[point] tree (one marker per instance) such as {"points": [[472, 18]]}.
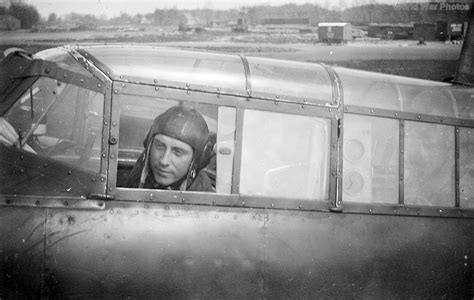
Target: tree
{"points": [[27, 14], [52, 18]]}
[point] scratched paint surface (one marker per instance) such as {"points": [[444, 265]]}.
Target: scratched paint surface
{"points": [[183, 251], [21, 250], [173, 252]]}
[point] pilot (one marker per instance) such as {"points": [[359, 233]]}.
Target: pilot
{"points": [[177, 148]]}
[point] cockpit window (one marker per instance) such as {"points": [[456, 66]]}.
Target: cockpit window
{"points": [[429, 164], [371, 164], [285, 156], [153, 135], [372, 151], [179, 68], [57, 120]]}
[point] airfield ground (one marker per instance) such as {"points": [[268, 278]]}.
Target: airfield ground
{"points": [[434, 61]]}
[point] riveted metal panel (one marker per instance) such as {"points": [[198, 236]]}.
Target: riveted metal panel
{"points": [[217, 97], [106, 128], [409, 210], [356, 256], [18, 89], [24, 173], [11, 67], [52, 70], [211, 199], [170, 250], [84, 58], [111, 139], [401, 163], [407, 116], [50, 202], [88, 64], [160, 92], [290, 108], [335, 164], [238, 151], [157, 251], [108, 125], [21, 252], [457, 169]]}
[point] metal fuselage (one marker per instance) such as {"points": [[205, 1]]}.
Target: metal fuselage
{"points": [[143, 250]]}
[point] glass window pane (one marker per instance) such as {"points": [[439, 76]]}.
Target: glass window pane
{"points": [[376, 90], [369, 89], [60, 121], [61, 57], [137, 113], [290, 78], [285, 155], [466, 163], [371, 155], [180, 66], [429, 164], [436, 100]]}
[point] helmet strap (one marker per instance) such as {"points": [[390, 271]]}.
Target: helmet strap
{"points": [[146, 166]]}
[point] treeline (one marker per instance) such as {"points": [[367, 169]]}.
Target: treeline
{"points": [[314, 13], [373, 13], [252, 15], [160, 17], [26, 14]]}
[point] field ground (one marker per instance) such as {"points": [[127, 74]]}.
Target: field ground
{"points": [[434, 61]]}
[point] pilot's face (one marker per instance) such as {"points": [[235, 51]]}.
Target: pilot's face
{"points": [[169, 159]]}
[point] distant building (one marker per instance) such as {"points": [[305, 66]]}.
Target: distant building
{"points": [[358, 33], [391, 31], [455, 30], [8, 22], [334, 32], [424, 31], [240, 26], [286, 21], [451, 30]]}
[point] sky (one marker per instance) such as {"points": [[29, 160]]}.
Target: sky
{"points": [[112, 8]]}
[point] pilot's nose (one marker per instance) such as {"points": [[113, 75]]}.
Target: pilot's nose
{"points": [[164, 158]]}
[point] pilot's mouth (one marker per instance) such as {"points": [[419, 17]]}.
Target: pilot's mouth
{"points": [[163, 173]]}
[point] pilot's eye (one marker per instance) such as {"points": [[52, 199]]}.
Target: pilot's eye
{"points": [[158, 145], [178, 152]]}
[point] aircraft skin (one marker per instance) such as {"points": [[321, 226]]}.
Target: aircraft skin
{"points": [[68, 232], [184, 251]]}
